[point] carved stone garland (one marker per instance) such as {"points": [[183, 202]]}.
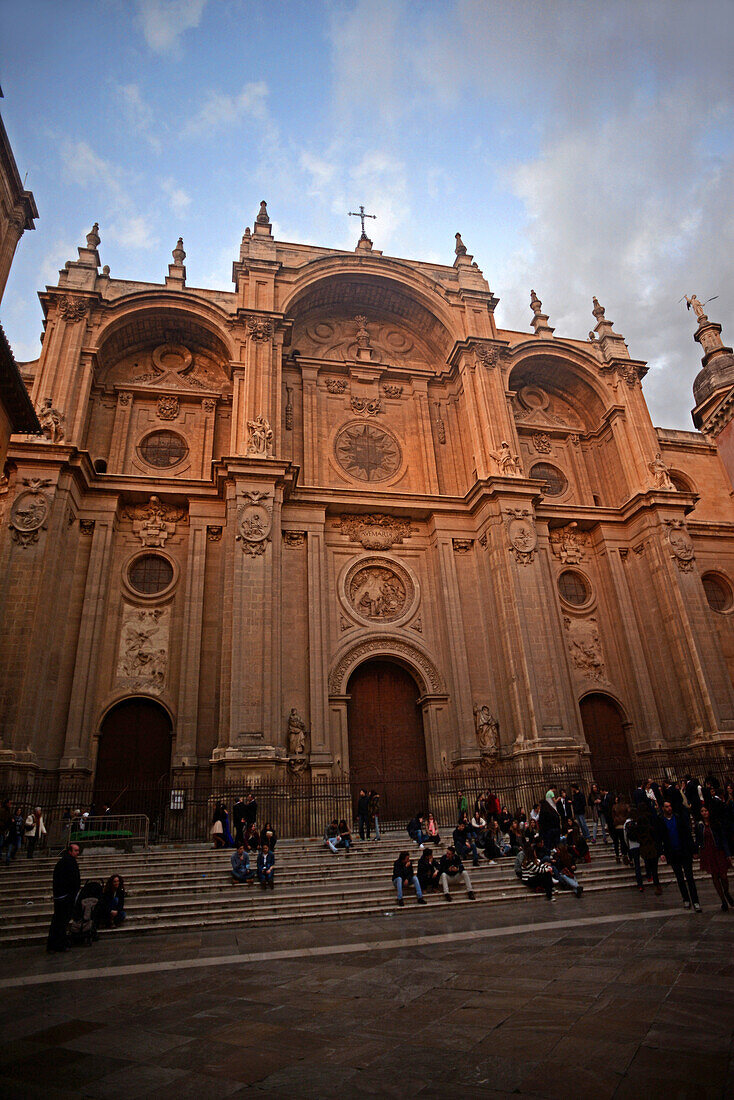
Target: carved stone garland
{"points": [[155, 521], [375, 531]]}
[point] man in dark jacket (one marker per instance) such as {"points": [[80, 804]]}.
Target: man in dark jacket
{"points": [[450, 868], [578, 801], [464, 843], [238, 820], [266, 868], [678, 848], [363, 813], [66, 884]]}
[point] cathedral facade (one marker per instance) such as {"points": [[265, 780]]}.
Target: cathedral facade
{"points": [[335, 521]]}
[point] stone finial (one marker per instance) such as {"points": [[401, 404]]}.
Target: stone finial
{"points": [[540, 319], [262, 218], [246, 235], [460, 246], [535, 303], [178, 253], [106, 270], [93, 237], [598, 311]]}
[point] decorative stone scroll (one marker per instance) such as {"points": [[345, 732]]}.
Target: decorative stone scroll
{"points": [[585, 648], [487, 355], [143, 654], [522, 533], [155, 521], [487, 730], [72, 309], [681, 546], [124, 398], [541, 442], [214, 533], [366, 407], [375, 531], [440, 425], [462, 546], [29, 512], [294, 539], [288, 418], [259, 328], [168, 407], [336, 385], [392, 390], [254, 523], [569, 544], [86, 526]]}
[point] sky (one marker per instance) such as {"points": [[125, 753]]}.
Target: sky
{"points": [[580, 148]]}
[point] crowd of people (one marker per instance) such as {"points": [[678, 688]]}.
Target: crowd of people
{"points": [[675, 821], [80, 910], [248, 840], [19, 830]]}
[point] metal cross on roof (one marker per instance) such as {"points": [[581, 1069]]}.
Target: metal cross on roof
{"points": [[362, 216]]}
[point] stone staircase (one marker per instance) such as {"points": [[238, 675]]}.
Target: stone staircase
{"points": [[176, 889]]}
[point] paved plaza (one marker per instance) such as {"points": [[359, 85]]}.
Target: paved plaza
{"points": [[613, 996]]}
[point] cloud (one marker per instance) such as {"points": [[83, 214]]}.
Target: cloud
{"points": [[81, 165], [132, 231], [164, 21], [220, 110], [178, 200], [638, 228], [140, 115]]}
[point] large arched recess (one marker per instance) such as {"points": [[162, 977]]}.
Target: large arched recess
{"points": [[145, 319], [566, 372], [387, 748], [133, 757], [605, 729]]}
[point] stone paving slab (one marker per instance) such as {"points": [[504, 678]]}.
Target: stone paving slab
{"points": [[480, 1002]]}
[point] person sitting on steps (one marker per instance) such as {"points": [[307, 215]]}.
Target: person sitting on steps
{"points": [[266, 868], [428, 873], [451, 867], [418, 832], [241, 866], [403, 875], [464, 843]]}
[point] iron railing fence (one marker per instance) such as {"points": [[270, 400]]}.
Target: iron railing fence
{"points": [[303, 806]]}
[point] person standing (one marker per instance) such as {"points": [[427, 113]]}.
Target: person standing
{"points": [[66, 883], [649, 837], [250, 814], [462, 805], [713, 857], [374, 811], [363, 813], [35, 830], [578, 801], [549, 821], [238, 820], [678, 848]]}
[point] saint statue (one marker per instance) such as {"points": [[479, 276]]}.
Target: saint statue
{"points": [[697, 307], [508, 463], [260, 442], [297, 733], [487, 729], [660, 473], [51, 422]]}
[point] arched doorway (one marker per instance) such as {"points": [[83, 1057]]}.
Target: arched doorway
{"points": [[604, 730], [133, 758], [387, 747]]}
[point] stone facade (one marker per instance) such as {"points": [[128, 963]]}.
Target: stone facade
{"points": [[244, 495]]}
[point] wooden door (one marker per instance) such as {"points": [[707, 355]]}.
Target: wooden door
{"points": [[605, 735], [133, 758], [387, 748]]}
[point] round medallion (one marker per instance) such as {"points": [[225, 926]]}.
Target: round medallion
{"points": [[173, 357], [379, 592], [29, 511], [367, 452], [254, 522]]}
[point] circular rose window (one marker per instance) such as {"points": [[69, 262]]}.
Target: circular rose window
{"points": [[367, 452], [150, 574], [718, 592], [574, 588], [163, 449], [555, 479]]}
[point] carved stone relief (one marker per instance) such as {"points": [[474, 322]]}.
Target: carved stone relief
{"points": [[487, 355], [542, 442], [143, 654], [155, 521], [509, 464], [392, 390], [366, 407], [86, 526], [375, 531], [336, 385], [51, 421], [214, 533], [462, 546], [569, 544], [168, 407], [533, 404], [72, 309], [487, 730], [681, 546], [660, 474], [378, 593], [585, 648], [390, 647], [29, 512], [259, 438], [293, 539], [124, 398], [297, 734], [367, 452], [254, 522], [259, 328], [522, 533]]}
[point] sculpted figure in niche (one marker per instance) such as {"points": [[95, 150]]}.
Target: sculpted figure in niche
{"points": [[488, 729], [297, 733], [51, 422], [660, 473], [508, 463], [261, 437]]}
